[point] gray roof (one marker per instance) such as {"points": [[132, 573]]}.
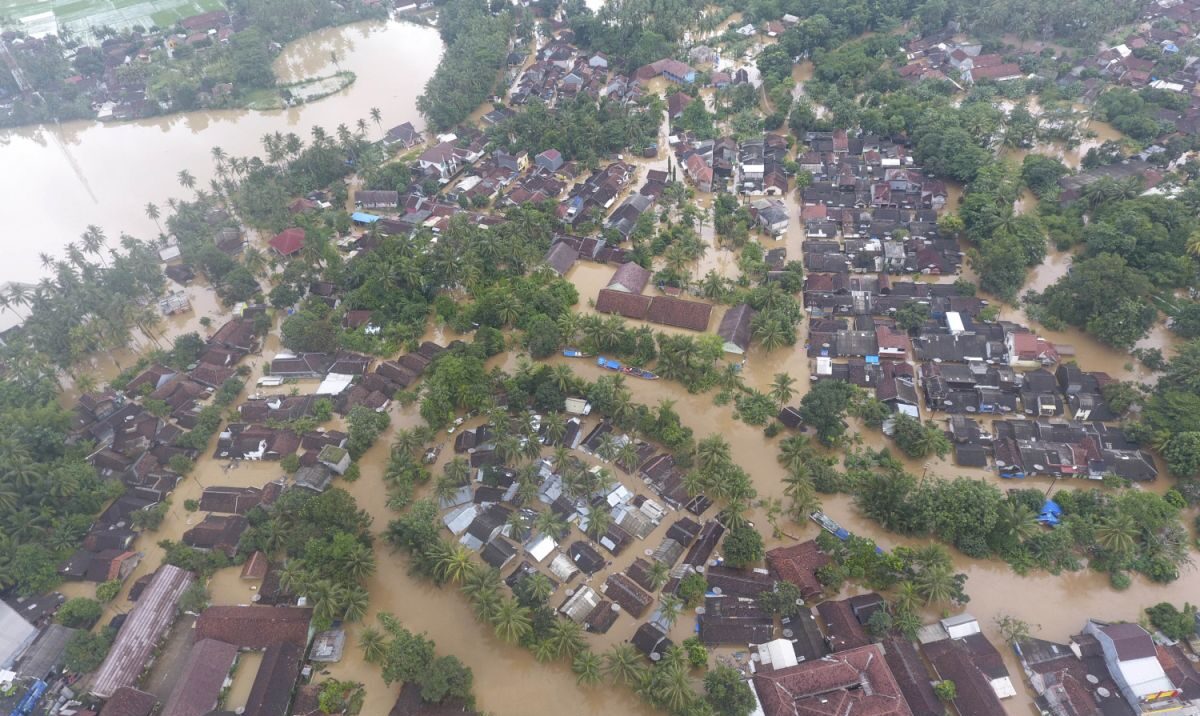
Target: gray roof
{"points": [[562, 257], [735, 325], [15, 633], [46, 653]]}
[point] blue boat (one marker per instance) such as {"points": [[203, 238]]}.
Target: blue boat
{"points": [[575, 353], [627, 369]]}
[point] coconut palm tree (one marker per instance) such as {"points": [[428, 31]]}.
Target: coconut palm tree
{"points": [[1118, 534], [373, 644], [782, 389], [794, 452], [376, 117], [549, 523], [445, 489], [1193, 243], [359, 563], [935, 583], [458, 470], [254, 260], [566, 637], [485, 603], [455, 564], [1018, 521], [627, 457], [669, 607], [544, 651], [555, 425], [607, 449], [658, 574], [512, 621], [186, 180], [599, 520], [712, 452], [908, 597], [587, 666], [353, 603], [623, 664], [539, 587]]}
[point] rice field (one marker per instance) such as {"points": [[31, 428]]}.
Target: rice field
{"points": [[41, 17]]}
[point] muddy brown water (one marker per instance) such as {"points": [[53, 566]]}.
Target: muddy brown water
{"points": [[57, 179], [508, 680]]}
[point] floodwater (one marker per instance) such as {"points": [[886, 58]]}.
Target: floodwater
{"points": [[56, 180]]}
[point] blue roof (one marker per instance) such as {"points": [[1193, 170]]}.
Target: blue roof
{"points": [[1052, 507], [361, 217]]}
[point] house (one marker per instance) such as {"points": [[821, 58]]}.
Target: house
{"points": [[199, 687], [234, 500], [45, 654], [672, 70], [798, 564], [974, 694], [256, 567], [440, 158], [625, 592], [676, 103], [1133, 662], [629, 278], [404, 136], [128, 701], [410, 703], [377, 199], [288, 242], [550, 160], [217, 532], [843, 631], [276, 677], [771, 215], [255, 627], [857, 681], [15, 634], [1029, 351], [671, 311], [561, 257], [624, 304], [149, 619]]}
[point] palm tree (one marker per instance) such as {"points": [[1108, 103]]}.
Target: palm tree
{"points": [[935, 583], [795, 452], [1018, 520], [540, 587], [254, 260], [373, 644], [549, 523], [361, 125], [1193, 243], [658, 574], [607, 449], [377, 117], [669, 607], [566, 637], [587, 665], [1118, 534], [798, 486], [485, 603], [455, 565], [544, 651], [908, 597], [458, 470], [599, 520], [480, 579], [712, 452], [623, 664], [353, 603], [627, 457], [186, 180], [782, 389], [512, 621], [555, 426], [359, 563]]}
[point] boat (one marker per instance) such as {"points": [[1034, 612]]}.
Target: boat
{"points": [[626, 369], [575, 353], [828, 524]]}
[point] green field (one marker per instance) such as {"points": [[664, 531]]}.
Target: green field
{"points": [[40, 17]]}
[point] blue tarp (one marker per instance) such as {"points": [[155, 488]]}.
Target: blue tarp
{"points": [[361, 217], [1050, 514], [606, 363]]}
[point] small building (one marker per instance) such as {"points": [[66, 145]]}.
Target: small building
{"points": [[288, 242], [255, 627], [629, 278], [128, 701], [735, 328], [273, 684], [204, 676], [857, 681], [217, 532]]}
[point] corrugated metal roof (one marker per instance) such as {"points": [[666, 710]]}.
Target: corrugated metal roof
{"points": [[149, 619]]}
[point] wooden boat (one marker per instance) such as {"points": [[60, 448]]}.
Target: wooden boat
{"points": [[626, 369], [575, 353]]}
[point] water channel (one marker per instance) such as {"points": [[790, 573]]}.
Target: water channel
{"points": [[57, 180]]}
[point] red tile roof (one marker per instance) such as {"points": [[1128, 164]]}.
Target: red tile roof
{"points": [[255, 627], [677, 312], [629, 305], [288, 241], [798, 564], [856, 682]]}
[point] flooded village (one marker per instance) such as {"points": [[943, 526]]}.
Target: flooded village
{"points": [[630, 389]]}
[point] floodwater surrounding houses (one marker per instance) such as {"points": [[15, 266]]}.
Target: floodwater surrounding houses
{"points": [[507, 679], [59, 179]]}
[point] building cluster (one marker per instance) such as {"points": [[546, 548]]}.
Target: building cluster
{"points": [[624, 297], [753, 166], [960, 63], [560, 72]]}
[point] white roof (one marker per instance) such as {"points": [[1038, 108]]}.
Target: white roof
{"points": [[578, 406], [778, 653], [334, 384], [15, 634], [540, 547], [1145, 676], [1003, 687], [562, 567], [458, 520]]}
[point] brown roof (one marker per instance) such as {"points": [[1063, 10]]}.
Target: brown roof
{"points": [[975, 695], [256, 567], [735, 325], [841, 628], [409, 703], [677, 312], [629, 277], [798, 564], [856, 682], [275, 680], [622, 590], [255, 627], [912, 676], [199, 687], [128, 701], [629, 305], [219, 532]]}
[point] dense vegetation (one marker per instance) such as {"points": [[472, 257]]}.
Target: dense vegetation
{"points": [[476, 46], [581, 129]]}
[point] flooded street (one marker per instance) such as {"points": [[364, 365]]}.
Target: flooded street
{"points": [[57, 180]]}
